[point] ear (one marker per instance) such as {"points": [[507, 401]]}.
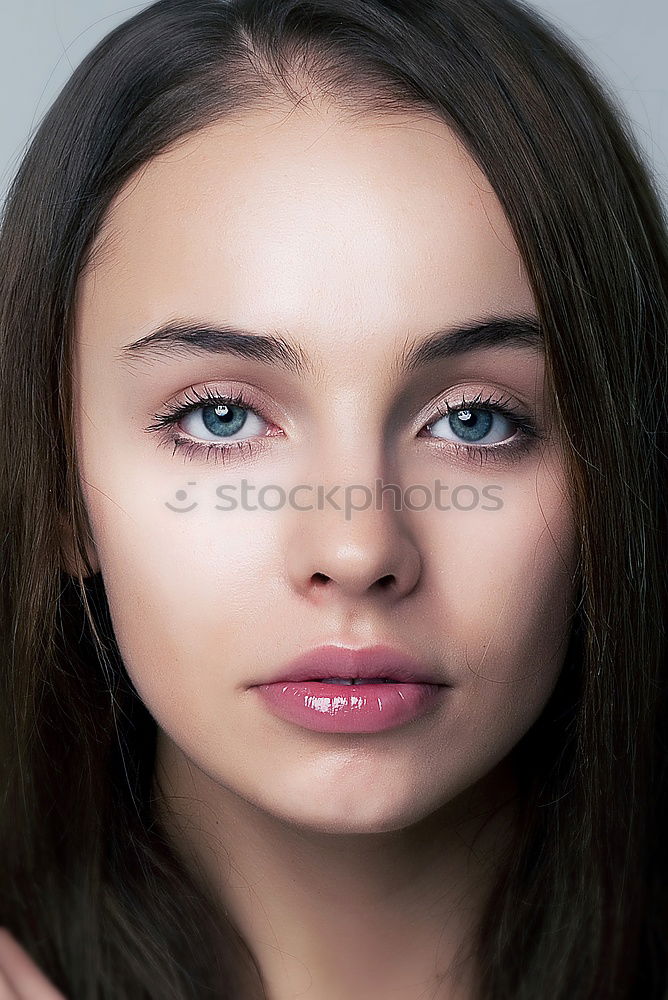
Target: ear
{"points": [[67, 550]]}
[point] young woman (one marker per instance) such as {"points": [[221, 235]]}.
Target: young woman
{"points": [[333, 350]]}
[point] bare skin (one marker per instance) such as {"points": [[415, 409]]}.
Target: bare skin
{"points": [[354, 865]]}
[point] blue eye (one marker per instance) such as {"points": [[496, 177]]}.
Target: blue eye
{"points": [[222, 417], [473, 425], [486, 429], [222, 420], [482, 429]]}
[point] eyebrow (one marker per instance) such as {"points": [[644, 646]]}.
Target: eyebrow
{"points": [[196, 339]]}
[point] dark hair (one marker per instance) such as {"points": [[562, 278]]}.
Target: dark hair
{"points": [[88, 881]]}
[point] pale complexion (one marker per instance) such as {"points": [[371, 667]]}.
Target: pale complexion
{"points": [[347, 862]]}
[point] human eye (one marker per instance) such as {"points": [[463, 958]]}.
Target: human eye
{"points": [[483, 429], [222, 417]]}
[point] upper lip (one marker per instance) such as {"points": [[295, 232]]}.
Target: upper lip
{"points": [[366, 662]]}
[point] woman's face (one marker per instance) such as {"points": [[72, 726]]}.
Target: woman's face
{"points": [[353, 243]]}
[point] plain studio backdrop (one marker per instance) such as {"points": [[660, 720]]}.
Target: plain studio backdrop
{"points": [[41, 42]]}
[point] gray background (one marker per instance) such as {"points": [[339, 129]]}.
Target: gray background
{"points": [[41, 42]]}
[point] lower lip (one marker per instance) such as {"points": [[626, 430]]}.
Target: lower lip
{"points": [[349, 708]]}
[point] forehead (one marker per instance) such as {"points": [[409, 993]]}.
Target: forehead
{"points": [[285, 218]]}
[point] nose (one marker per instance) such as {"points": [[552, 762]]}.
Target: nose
{"points": [[351, 554]]}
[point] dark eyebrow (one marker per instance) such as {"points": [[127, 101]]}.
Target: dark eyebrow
{"points": [[193, 338], [189, 338], [494, 331]]}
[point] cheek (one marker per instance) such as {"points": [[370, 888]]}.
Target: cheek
{"points": [[186, 590], [507, 597]]}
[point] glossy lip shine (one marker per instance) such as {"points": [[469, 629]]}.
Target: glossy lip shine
{"points": [[352, 708]]}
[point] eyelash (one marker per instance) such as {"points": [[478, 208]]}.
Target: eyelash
{"points": [[522, 442]]}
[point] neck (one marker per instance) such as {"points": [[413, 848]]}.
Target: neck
{"points": [[369, 915]]}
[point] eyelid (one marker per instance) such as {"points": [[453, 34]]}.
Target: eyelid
{"points": [[469, 390], [196, 397], [470, 393]]}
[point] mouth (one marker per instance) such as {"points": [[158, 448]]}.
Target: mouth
{"points": [[344, 666], [354, 680], [378, 703]]}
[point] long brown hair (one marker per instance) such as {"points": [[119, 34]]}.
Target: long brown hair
{"points": [[88, 881]]}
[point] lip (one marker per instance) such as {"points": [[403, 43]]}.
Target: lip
{"points": [[297, 694], [362, 663], [364, 708]]}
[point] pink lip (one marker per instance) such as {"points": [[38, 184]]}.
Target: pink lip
{"points": [[363, 708], [297, 693], [369, 662]]}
